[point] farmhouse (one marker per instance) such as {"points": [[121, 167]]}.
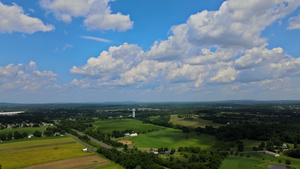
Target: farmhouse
{"points": [[272, 154]]}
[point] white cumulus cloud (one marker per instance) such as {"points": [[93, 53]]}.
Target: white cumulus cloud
{"points": [[13, 19], [238, 23], [112, 62], [294, 22], [25, 77], [222, 47], [97, 13]]}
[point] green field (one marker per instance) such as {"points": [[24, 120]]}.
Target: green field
{"points": [[29, 130], [235, 162], [193, 122], [172, 138], [107, 126], [249, 144], [154, 117], [294, 161], [31, 152], [257, 160]]}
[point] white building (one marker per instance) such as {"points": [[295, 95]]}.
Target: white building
{"points": [[133, 134], [272, 154], [85, 149], [133, 113]]}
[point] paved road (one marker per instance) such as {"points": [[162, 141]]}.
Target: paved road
{"points": [[88, 146], [94, 140]]}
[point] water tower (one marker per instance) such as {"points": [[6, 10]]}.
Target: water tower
{"points": [[133, 113]]}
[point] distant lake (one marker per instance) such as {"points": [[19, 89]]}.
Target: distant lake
{"points": [[279, 167]]}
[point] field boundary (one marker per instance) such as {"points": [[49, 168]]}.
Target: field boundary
{"points": [[37, 146]]}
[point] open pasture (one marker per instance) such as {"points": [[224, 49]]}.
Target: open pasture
{"points": [[193, 122], [85, 162], [270, 160], [257, 161], [235, 162], [107, 126], [32, 152], [29, 130], [172, 138]]}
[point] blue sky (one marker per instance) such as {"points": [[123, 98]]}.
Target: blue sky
{"points": [[149, 50]]}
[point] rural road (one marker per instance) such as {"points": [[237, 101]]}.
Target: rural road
{"points": [[69, 135], [94, 140], [89, 147]]}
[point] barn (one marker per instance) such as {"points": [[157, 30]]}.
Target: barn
{"points": [[272, 154]]}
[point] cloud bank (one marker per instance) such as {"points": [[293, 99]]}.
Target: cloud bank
{"points": [[26, 78], [222, 47]]}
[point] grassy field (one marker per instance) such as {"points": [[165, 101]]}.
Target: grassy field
{"points": [[257, 160], [194, 122], [235, 162], [249, 144], [29, 130], [32, 152], [270, 160], [172, 138], [154, 117], [85, 162], [107, 126]]}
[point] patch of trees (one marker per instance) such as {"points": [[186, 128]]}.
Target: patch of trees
{"points": [[84, 138], [196, 158], [293, 153], [132, 158], [104, 138], [67, 125], [16, 135], [163, 120], [37, 133], [51, 131], [164, 150], [190, 149], [254, 131], [201, 159]]}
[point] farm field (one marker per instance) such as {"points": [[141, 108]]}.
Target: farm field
{"points": [[172, 138], [85, 162], [107, 126], [32, 152], [271, 160], [235, 162], [29, 130], [249, 144], [154, 117], [257, 160], [193, 122]]}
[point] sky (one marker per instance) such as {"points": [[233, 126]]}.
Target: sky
{"points": [[55, 51]]}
